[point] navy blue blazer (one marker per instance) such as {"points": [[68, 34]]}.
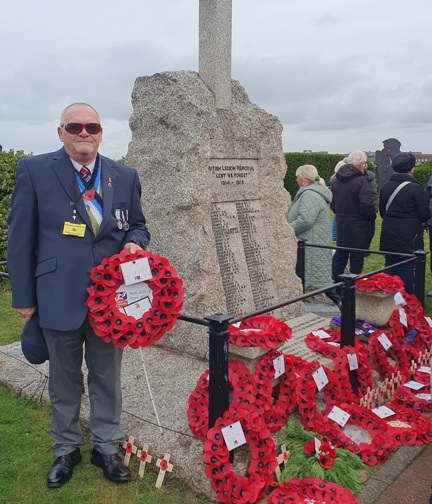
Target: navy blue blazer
{"points": [[48, 269]]}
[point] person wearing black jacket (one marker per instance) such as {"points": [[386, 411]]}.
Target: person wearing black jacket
{"points": [[353, 204], [404, 208]]}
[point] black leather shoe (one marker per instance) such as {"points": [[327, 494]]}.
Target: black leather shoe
{"points": [[61, 470], [111, 465]]}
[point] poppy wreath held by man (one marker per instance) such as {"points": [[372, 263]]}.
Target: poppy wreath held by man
{"points": [[107, 315]]}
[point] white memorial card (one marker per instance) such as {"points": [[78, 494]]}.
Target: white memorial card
{"points": [[279, 366], [403, 317], [383, 411], [352, 361], [385, 342], [429, 321], [136, 271], [339, 416], [414, 385], [134, 300], [426, 397], [233, 435], [317, 445], [424, 369], [321, 334], [398, 299], [320, 378]]}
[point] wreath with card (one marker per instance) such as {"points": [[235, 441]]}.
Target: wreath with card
{"points": [[229, 486], [138, 313]]}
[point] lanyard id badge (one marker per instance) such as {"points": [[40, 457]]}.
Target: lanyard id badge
{"points": [[74, 229]]}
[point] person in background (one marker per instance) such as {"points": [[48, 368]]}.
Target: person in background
{"points": [[309, 216], [353, 204], [69, 210], [339, 164], [428, 191], [404, 208]]}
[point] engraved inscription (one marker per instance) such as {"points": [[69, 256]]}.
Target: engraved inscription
{"points": [[232, 179], [241, 249]]}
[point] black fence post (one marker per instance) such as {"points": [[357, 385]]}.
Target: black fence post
{"points": [[301, 261], [218, 366], [419, 275], [348, 320]]}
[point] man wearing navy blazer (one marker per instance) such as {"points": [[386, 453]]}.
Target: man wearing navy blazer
{"points": [[69, 210]]}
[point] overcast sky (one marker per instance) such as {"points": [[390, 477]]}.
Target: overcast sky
{"points": [[341, 75]]}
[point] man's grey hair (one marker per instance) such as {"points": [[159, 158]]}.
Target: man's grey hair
{"points": [[357, 158], [62, 117]]}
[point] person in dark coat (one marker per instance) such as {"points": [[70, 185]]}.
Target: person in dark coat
{"points": [[353, 204], [404, 208], [428, 192]]}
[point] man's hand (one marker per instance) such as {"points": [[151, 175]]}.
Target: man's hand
{"points": [[132, 247], [26, 313]]}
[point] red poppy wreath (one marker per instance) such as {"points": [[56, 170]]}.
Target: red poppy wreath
{"points": [[230, 487], [136, 319], [298, 491]]}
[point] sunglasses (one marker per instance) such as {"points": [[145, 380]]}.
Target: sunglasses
{"points": [[76, 128]]}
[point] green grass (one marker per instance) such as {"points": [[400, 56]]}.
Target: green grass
{"points": [[10, 322], [25, 459]]}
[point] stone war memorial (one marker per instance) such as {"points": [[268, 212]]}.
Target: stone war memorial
{"points": [[214, 199]]}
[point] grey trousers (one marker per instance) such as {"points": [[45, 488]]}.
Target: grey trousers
{"points": [[66, 350]]}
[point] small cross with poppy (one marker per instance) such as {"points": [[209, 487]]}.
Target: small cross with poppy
{"points": [[129, 449], [281, 459], [164, 466], [144, 457]]}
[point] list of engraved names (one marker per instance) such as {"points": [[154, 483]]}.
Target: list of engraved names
{"points": [[241, 250]]}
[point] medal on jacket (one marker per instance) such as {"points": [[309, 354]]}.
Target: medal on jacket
{"points": [[118, 219], [125, 224]]}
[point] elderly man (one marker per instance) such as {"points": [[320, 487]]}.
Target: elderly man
{"points": [[354, 206], [64, 218]]}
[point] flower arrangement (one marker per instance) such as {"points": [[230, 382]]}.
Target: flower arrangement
{"points": [[228, 486], [111, 324], [329, 464], [311, 490], [380, 282], [262, 331], [244, 392]]}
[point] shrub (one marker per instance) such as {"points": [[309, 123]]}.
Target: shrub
{"points": [[324, 163], [8, 162], [422, 172]]}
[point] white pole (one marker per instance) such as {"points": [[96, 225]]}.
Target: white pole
{"points": [[150, 392]]}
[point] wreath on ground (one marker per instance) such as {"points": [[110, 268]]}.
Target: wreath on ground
{"points": [[373, 453], [243, 389], [380, 282], [329, 464], [262, 331], [229, 486], [301, 491], [115, 326]]}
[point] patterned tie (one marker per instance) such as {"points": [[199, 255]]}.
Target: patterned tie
{"points": [[92, 199], [85, 174]]}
